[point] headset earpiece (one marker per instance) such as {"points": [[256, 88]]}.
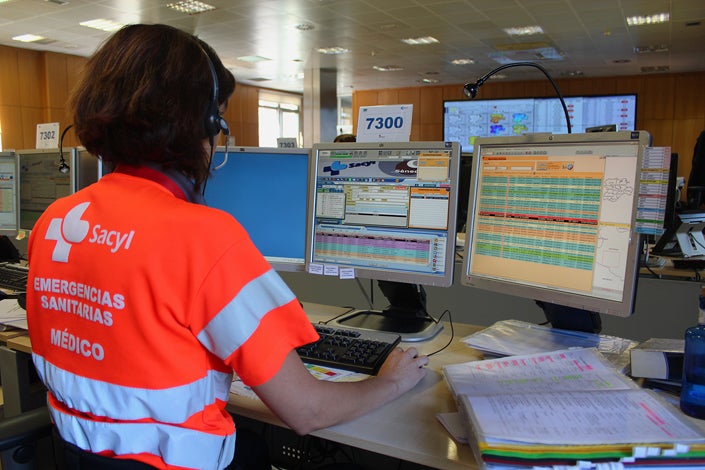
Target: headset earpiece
{"points": [[214, 122]]}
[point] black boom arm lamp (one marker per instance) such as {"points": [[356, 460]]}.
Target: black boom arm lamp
{"points": [[63, 166], [470, 89]]}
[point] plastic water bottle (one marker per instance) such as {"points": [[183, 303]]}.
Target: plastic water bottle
{"points": [[693, 392]]}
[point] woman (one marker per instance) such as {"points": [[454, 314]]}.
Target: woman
{"points": [[142, 301]]}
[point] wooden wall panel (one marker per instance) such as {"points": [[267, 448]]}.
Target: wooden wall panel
{"points": [[9, 77], [35, 88], [11, 127], [657, 93], [242, 115], [661, 131], [57, 85], [389, 96], [685, 133], [363, 98], [670, 106], [32, 78], [689, 91], [30, 117]]}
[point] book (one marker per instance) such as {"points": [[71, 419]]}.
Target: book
{"points": [[564, 407], [658, 358]]}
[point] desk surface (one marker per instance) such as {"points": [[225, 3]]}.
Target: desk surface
{"points": [[406, 428]]}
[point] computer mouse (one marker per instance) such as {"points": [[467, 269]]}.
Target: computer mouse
{"points": [[22, 300]]}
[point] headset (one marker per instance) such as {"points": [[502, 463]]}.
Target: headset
{"points": [[214, 122]]}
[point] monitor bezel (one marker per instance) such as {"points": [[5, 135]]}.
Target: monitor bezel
{"points": [[623, 308], [12, 156], [380, 274], [89, 168], [277, 264], [69, 154]]}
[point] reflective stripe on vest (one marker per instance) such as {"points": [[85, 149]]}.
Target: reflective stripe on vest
{"points": [[168, 405], [236, 322], [175, 445]]}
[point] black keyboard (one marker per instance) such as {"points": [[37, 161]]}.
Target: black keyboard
{"points": [[13, 276], [354, 350]]}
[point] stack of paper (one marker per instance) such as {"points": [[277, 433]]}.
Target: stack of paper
{"points": [[12, 315], [514, 337], [565, 407]]}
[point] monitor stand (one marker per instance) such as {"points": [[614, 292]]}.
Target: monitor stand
{"points": [[570, 318], [686, 239], [406, 315]]}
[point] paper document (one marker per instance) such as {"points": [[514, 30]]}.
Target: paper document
{"points": [[567, 370], [11, 314], [561, 407], [581, 418], [512, 337]]}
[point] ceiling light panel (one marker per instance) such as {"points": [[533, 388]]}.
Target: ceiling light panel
{"points": [[102, 24], [524, 30], [420, 41], [650, 19], [190, 7]]}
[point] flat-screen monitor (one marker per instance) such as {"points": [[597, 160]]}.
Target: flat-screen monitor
{"points": [[466, 120], [386, 211], [89, 168], [552, 218], [41, 181], [266, 190], [9, 190]]}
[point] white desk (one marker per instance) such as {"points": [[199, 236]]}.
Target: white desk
{"points": [[406, 428]]}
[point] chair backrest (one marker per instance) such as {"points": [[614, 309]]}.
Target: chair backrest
{"points": [[19, 436]]}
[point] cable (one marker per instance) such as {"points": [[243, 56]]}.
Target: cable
{"points": [[367, 297], [452, 332], [470, 89]]}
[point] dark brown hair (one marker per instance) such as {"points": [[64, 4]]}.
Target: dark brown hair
{"points": [[143, 97], [345, 138]]}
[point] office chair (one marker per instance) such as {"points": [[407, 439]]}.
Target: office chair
{"points": [[18, 438], [696, 182]]}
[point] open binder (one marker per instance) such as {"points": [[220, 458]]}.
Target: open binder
{"points": [[564, 407]]}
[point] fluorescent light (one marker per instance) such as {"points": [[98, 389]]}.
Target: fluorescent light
{"points": [[28, 38], [103, 25], [333, 50], [651, 19], [190, 7], [252, 58], [420, 41], [462, 61], [651, 49], [388, 68], [524, 30]]}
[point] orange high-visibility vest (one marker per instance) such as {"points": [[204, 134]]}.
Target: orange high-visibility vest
{"points": [[140, 306]]}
